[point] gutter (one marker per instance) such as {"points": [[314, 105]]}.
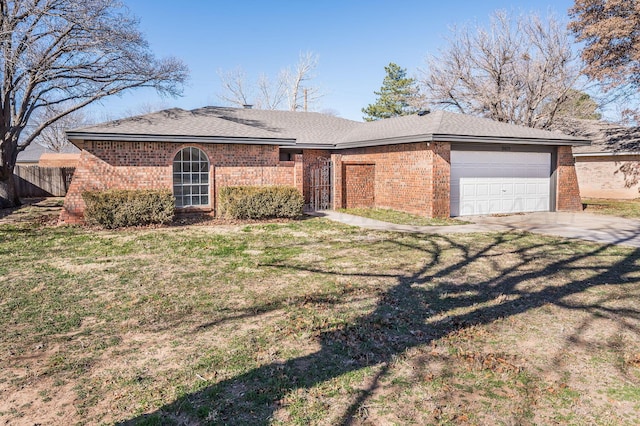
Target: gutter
{"points": [[117, 137], [287, 142], [605, 154], [435, 137]]}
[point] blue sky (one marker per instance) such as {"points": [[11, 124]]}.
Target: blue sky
{"points": [[354, 40]]}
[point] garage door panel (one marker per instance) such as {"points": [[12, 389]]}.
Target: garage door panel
{"points": [[482, 189], [507, 189], [532, 188], [487, 182], [495, 189], [469, 189], [495, 205]]}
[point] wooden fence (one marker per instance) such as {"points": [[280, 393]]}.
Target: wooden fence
{"points": [[36, 181]]}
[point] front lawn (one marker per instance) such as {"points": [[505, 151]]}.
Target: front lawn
{"points": [[312, 322], [401, 218], [622, 208]]}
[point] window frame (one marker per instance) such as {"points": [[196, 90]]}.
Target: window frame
{"points": [[191, 178]]}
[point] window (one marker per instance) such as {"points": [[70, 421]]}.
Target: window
{"points": [[191, 178]]}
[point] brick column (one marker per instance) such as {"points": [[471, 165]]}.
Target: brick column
{"points": [[568, 191], [298, 173], [441, 179], [336, 160]]}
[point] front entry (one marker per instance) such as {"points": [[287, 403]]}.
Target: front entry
{"points": [[320, 184]]}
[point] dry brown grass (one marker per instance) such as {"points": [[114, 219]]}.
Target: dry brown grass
{"points": [[311, 322]]}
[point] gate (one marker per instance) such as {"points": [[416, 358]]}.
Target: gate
{"points": [[320, 184]]}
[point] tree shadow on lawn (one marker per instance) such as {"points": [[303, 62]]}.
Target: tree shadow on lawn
{"points": [[409, 314]]}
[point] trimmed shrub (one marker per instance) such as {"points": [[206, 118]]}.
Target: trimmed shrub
{"points": [[116, 208], [259, 202]]}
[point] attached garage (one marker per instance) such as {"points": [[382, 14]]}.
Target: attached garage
{"points": [[490, 182]]}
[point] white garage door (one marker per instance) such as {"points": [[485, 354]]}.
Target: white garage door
{"points": [[487, 182]]}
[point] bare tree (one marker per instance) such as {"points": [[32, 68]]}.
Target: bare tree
{"points": [[53, 137], [610, 30], [610, 33], [289, 90], [271, 94], [236, 91], [63, 55], [518, 71], [300, 94]]}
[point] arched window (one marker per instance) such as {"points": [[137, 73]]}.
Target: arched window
{"points": [[191, 178]]}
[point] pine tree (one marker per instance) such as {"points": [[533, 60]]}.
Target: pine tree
{"points": [[398, 95]]}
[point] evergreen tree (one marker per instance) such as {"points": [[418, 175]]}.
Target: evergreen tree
{"points": [[399, 95]]}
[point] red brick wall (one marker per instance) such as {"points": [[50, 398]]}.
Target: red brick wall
{"points": [[148, 165], [358, 183], [408, 177], [441, 179], [568, 191]]}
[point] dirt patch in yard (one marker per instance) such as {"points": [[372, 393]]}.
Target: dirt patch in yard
{"points": [[33, 210]]}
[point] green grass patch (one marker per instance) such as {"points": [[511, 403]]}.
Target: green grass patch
{"points": [[622, 208], [401, 218], [628, 393]]}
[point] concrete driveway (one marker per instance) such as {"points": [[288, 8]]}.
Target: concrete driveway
{"points": [[585, 226]]}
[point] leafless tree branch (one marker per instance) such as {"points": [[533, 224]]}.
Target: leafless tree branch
{"points": [[518, 71], [61, 55]]}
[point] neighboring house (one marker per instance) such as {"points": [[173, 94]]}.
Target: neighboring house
{"points": [[437, 165], [40, 172], [610, 166], [30, 155], [38, 155]]}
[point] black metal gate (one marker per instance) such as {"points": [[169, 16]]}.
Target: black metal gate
{"points": [[320, 184]]}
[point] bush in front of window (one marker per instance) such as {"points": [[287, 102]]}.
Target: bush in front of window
{"points": [[116, 208], [259, 202]]}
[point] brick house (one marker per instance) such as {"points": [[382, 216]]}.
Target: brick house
{"points": [[610, 166], [436, 164]]}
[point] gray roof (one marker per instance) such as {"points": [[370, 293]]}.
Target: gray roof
{"points": [[447, 126], [220, 124], [309, 129], [606, 137], [32, 153]]}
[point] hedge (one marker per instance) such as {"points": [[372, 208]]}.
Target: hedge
{"points": [[259, 202], [115, 208]]}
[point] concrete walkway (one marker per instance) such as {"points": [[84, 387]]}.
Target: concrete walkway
{"points": [[585, 226]]}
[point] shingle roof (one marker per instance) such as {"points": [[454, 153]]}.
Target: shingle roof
{"points": [[444, 126], [314, 129], [606, 137], [305, 127]]}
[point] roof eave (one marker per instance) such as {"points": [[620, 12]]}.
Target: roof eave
{"points": [[605, 154], [508, 140], [385, 141], [438, 137], [118, 137], [315, 145]]}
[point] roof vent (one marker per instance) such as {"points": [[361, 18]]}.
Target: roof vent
{"points": [[247, 106], [424, 112]]}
